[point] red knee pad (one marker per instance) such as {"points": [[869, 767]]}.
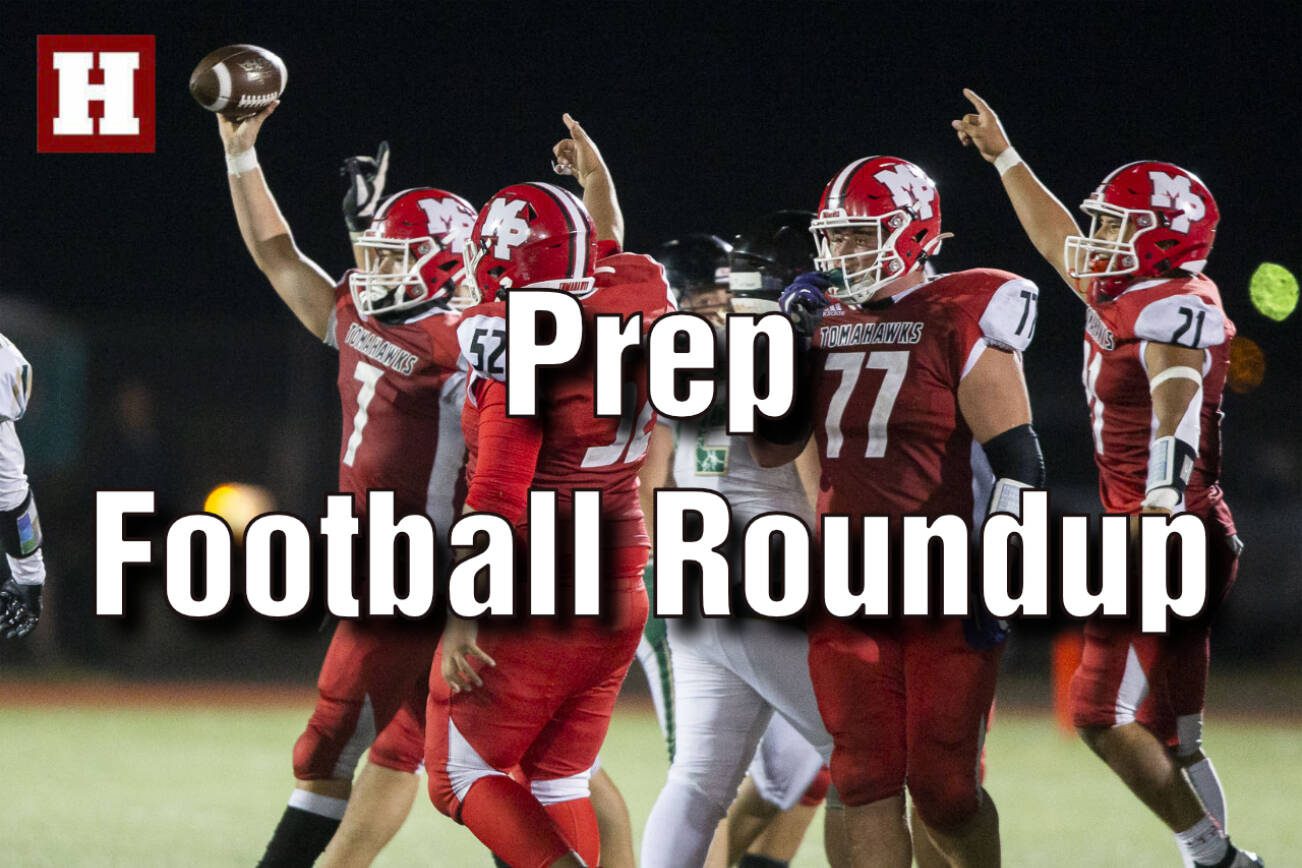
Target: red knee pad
{"points": [[401, 745], [332, 744], [817, 791], [441, 795], [945, 798], [857, 786]]}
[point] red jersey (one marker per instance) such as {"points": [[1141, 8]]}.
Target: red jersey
{"points": [[1184, 311], [890, 435], [579, 450], [400, 390]]}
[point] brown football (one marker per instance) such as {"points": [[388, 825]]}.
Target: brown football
{"points": [[238, 80]]}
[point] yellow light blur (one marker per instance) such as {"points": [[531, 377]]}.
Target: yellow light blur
{"points": [[1274, 291], [238, 503]]}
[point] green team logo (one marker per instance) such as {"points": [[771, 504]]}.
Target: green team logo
{"points": [[711, 459]]}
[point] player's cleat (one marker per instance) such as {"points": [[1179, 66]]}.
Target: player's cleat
{"points": [[1236, 858]]}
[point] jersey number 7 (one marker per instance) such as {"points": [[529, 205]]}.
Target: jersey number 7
{"points": [[895, 363]]}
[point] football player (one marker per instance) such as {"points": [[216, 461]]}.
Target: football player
{"points": [[913, 389], [536, 694], [1156, 356], [400, 390], [729, 676], [20, 527]]}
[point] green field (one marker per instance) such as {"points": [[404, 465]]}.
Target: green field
{"points": [[200, 786]]}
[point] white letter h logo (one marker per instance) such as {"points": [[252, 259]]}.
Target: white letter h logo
{"points": [[117, 93]]}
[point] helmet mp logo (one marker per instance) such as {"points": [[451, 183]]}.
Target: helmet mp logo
{"points": [[449, 222], [908, 190], [1174, 191], [506, 225]]}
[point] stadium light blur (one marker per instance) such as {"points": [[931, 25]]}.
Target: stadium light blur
{"points": [[238, 503], [1274, 291]]}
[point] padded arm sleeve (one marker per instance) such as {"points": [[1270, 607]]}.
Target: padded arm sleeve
{"points": [[507, 456]]}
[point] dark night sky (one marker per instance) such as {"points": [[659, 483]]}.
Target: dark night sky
{"points": [[709, 114]]}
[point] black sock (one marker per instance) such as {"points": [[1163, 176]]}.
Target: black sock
{"points": [[754, 860], [300, 837]]}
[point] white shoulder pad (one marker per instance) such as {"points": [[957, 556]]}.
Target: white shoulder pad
{"points": [[15, 382], [1009, 317], [483, 345], [1183, 320]]}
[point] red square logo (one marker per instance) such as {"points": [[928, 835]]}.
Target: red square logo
{"points": [[95, 94]]}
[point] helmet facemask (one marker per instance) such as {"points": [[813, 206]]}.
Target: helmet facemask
{"points": [[855, 281], [377, 292], [1092, 256]]}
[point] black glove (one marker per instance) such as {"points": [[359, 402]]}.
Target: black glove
{"points": [[20, 609], [366, 179]]}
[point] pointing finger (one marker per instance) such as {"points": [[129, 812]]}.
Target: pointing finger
{"points": [[574, 127], [981, 105]]}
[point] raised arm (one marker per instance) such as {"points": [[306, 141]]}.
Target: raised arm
{"points": [[1046, 221], [299, 281], [578, 156]]}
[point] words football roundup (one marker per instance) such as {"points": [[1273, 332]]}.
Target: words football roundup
{"points": [[496, 557], [678, 344]]}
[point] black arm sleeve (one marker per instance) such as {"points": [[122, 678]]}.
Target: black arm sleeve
{"points": [[1015, 454]]}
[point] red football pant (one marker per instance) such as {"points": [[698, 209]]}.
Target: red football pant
{"points": [[1157, 680], [372, 693], [545, 708], [906, 703]]}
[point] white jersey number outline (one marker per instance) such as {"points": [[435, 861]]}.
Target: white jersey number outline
{"points": [[896, 364]]}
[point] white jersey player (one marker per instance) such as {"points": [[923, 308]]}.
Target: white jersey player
{"points": [[20, 527], [729, 676]]}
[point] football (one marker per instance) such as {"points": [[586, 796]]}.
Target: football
{"points": [[238, 80]]}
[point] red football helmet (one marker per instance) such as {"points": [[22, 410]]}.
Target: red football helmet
{"points": [[429, 228], [1167, 220], [531, 235], [895, 198]]}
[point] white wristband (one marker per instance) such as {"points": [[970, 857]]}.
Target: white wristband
{"points": [[1162, 498], [1007, 160], [29, 570], [242, 163]]}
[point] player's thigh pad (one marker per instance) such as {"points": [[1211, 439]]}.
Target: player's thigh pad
{"points": [[784, 766], [720, 718], [1120, 679], [951, 688], [567, 747], [401, 744], [774, 659], [858, 678]]}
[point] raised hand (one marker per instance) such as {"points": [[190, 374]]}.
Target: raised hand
{"points": [[577, 155], [240, 137], [981, 128], [366, 180]]}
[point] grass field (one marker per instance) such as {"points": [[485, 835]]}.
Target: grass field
{"points": [[197, 785]]}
